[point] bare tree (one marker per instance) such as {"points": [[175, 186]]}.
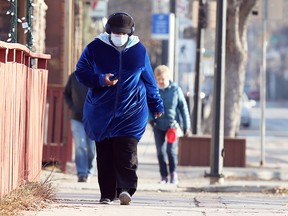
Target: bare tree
{"points": [[39, 26], [238, 12]]}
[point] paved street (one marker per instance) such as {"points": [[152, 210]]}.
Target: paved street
{"points": [[276, 140], [252, 190], [175, 204]]}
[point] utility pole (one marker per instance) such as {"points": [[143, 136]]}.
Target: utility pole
{"points": [[68, 32], [172, 40], [263, 81], [168, 46], [173, 6], [202, 24], [217, 140]]}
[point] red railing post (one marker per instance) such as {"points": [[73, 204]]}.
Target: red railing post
{"points": [[58, 139], [22, 105]]}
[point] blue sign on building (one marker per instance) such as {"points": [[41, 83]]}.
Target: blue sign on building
{"points": [[160, 26]]}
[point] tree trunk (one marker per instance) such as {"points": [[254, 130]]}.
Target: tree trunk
{"points": [[236, 59]]}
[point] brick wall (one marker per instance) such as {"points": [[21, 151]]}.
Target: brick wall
{"points": [[55, 40]]}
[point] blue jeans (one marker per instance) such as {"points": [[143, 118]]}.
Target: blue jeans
{"points": [[85, 150], [165, 151]]}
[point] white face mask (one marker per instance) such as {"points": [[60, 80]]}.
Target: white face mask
{"points": [[119, 40]]}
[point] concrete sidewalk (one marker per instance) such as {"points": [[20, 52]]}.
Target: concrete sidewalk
{"points": [[245, 191]]}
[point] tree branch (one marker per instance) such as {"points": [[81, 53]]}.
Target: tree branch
{"points": [[244, 12]]}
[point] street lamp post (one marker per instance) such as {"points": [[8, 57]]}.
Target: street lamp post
{"points": [[202, 24], [217, 140]]}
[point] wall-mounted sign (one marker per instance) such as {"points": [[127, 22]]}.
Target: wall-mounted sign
{"points": [[160, 26]]}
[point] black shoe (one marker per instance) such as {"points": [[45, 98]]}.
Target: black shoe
{"points": [[105, 201], [82, 178]]}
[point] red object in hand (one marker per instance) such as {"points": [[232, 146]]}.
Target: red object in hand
{"points": [[171, 135]]}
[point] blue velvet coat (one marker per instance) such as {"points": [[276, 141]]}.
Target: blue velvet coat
{"points": [[120, 110]]}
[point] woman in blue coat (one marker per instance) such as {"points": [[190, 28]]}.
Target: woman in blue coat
{"points": [[175, 109], [122, 90]]}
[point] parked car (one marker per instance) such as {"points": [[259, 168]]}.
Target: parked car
{"points": [[254, 95], [247, 105], [246, 110]]}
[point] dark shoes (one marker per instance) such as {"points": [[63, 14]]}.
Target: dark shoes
{"points": [[125, 198], [82, 178], [105, 201]]}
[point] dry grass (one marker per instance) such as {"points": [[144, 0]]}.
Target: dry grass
{"points": [[278, 190], [31, 196]]}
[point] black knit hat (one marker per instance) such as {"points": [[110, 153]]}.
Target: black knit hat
{"points": [[120, 23]]}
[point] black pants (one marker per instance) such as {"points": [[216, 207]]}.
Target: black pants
{"points": [[117, 162]]}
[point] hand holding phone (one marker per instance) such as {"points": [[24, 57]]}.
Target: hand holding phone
{"points": [[113, 77]]}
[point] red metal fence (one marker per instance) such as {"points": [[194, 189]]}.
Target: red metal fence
{"points": [[23, 84], [57, 133]]}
